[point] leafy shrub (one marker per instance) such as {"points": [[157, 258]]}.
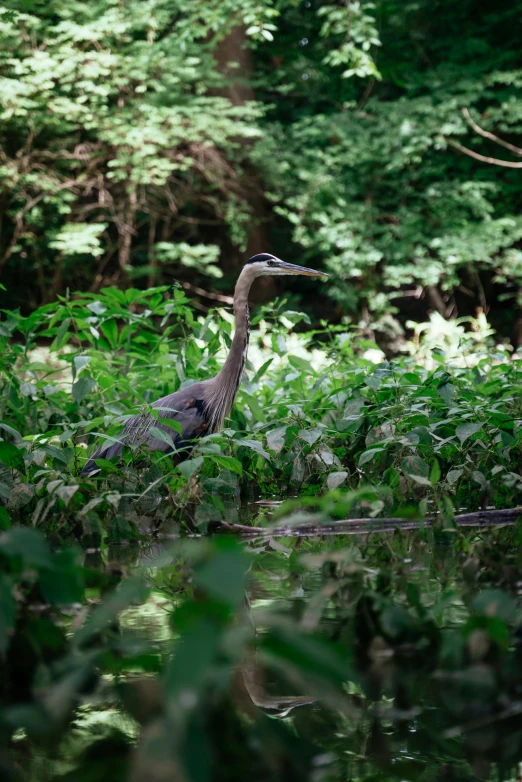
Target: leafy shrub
{"points": [[304, 422]]}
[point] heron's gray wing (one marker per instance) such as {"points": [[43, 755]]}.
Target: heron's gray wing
{"points": [[186, 406]]}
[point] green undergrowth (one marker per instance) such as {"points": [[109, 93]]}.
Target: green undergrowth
{"points": [[314, 418], [383, 656], [374, 657]]}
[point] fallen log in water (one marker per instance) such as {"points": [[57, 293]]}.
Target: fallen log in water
{"points": [[479, 518]]}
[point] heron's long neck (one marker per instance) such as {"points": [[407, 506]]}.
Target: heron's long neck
{"points": [[226, 383]]}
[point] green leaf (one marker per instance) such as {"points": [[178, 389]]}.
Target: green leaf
{"points": [[464, 431], [172, 423], [420, 479], [275, 439], [310, 436], [314, 656], [162, 436], [227, 463], [373, 382], [79, 362], [414, 465], [105, 464], [453, 475], [435, 472], [261, 371], [62, 583], [335, 479], [9, 429], [254, 446], [5, 521], [28, 544], [223, 576], [62, 334], [12, 456], [193, 659], [82, 388], [495, 602], [190, 466], [20, 495], [109, 330], [367, 456], [66, 493], [447, 392], [354, 409], [301, 363]]}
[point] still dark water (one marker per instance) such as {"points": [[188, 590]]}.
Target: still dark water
{"points": [[429, 621]]}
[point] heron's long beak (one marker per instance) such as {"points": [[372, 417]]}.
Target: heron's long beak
{"points": [[291, 268]]}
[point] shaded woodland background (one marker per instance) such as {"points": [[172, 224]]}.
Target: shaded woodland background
{"points": [[143, 143]]}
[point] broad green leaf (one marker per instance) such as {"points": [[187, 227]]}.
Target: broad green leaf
{"points": [[335, 479], [261, 371], [414, 465], [373, 382], [420, 479], [227, 463], [435, 472], [109, 330], [254, 445], [20, 495], [301, 363], [79, 362], [190, 466], [66, 493], [12, 456], [82, 388], [28, 544], [275, 439], [310, 436], [10, 430], [194, 659], [495, 602], [105, 464], [447, 392], [172, 423], [62, 334], [223, 576], [354, 408], [454, 475], [464, 431], [162, 436], [62, 582], [367, 456]]}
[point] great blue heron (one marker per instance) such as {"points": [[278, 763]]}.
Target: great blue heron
{"points": [[201, 408]]}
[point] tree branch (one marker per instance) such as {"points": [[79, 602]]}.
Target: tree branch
{"points": [[491, 160], [491, 136]]}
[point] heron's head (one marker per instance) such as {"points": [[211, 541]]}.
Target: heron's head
{"points": [[265, 264]]}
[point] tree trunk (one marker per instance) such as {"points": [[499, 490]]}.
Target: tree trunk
{"points": [[126, 234], [234, 49]]}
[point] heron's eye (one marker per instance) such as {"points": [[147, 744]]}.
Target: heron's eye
{"points": [[271, 263]]}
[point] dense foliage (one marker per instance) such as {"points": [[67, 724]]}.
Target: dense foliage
{"points": [[398, 652], [134, 149], [393, 657], [146, 142], [304, 422]]}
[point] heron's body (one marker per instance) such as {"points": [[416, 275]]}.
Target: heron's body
{"points": [[201, 408]]}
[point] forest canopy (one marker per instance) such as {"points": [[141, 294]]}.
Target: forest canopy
{"points": [[143, 143]]}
